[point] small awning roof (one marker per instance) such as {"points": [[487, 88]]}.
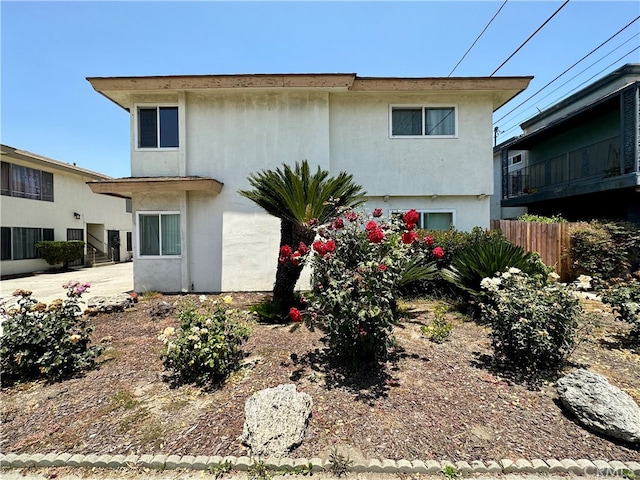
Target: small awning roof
{"points": [[125, 187]]}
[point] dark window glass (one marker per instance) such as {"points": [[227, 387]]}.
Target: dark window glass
{"points": [[5, 241], [129, 242], [47, 234], [149, 231], [147, 128], [168, 127], [6, 176], [406, 121], [47, 186], [24, 242]]}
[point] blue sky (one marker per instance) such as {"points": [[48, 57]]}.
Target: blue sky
{"points": [[49, 48]]}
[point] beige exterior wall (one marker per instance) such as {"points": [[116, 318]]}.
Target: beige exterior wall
{"points": [[71, 195]]}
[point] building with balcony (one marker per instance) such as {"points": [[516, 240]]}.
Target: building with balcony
{"points": [[579, 158]]}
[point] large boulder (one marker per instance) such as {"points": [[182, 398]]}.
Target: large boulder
{"points": [[114, 303], [600, 406], [275, 420]]}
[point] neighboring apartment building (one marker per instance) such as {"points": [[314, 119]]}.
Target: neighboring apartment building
{"points": [[581, 156], [44, 199], [422, 143]]}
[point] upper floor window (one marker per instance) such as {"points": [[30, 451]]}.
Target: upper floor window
{"points": [[25, 182], [157, 127], [422, 121]]}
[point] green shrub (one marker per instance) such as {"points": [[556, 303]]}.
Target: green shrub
{"points": [[529, 217], [45, 341], [358, 267], [603, 250], [484, 259], [533, 323], [55, 252], [440, 328], [624, 298], [205, 350]]}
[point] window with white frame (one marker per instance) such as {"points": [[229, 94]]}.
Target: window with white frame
{"points": [[157, 127], [433, 219], [423, 121], [159, 234]]}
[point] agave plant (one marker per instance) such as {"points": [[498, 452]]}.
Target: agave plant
{"points": [[475, 262]]}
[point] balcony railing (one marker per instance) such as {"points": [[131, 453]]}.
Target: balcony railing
{"points": [[584, 165]]}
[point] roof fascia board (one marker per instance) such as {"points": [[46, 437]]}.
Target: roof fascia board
{"points": [[25, 156]]}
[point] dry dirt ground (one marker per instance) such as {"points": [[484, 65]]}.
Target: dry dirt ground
{"points": [[433, 401]]}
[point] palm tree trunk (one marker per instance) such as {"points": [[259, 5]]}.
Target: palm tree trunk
{"points": [[287, 274]]}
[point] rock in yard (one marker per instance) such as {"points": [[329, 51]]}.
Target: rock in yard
{"points": [[600, 406], [115, 303], [275, 420]]}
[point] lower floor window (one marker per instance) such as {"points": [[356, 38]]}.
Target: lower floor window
{"points": [[433, 220], [159, 234], [19, 243]]}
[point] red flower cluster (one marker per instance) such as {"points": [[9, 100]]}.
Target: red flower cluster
{"points": [[429, 240], [411, 219], [382, 267], [409, 237], [324, 248], [338, 223], [374, 232], [351, 216], [377, 212], [295, 315], [286, 255], [438, 252]]}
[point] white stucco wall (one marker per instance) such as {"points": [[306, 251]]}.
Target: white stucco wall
{"points": [[71, 194], [230, 244]]}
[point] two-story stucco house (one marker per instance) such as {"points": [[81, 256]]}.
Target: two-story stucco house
{"points": [[422, 143], [45, 199]]}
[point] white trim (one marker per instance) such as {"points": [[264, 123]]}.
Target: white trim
{"points": [[136, 130], [138, 236], [424, 106]]}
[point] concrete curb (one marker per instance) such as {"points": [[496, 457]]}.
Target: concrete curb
{"points": [[289, 465]]}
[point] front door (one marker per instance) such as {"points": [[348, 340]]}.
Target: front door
{"points": [[114, 244]]}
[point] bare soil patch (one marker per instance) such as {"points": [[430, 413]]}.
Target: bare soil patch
{"points": [[433, 401]]}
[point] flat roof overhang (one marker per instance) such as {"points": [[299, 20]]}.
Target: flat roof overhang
{"points": [[125, 187], [119, 89]]}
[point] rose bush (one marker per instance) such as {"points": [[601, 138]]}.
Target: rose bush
{"points": [[358, 264], [46, 341]]}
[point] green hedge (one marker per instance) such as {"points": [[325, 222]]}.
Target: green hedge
{"points": [[58, 251]]}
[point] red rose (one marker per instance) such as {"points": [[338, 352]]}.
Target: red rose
{"points": [[377, 212], [429, 240], [338, 223], [371, 226], [330, 246], [303, 249], [319, 247], [409, 237], [411, 218], [438, 252], [295, 258], [382, 267], [295, 315], [285, 251], [351, 216], [376, 235]]}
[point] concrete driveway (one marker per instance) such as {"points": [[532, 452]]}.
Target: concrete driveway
{"points": [[105, 280]]}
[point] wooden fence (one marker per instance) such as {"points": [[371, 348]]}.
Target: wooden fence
{"points": [[550, 240]]}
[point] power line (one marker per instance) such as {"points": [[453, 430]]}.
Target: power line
{"points": [[530, 37], [572, 66], [478, 38], [575, 88]]}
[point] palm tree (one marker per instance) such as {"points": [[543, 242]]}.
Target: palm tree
{"points": [[298, 199]]}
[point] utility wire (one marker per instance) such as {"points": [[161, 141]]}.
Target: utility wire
{"points": [[478, 38], [530, 37], [575, 88], [572, 66]]}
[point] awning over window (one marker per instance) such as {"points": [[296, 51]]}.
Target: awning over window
{"points": [[125, 187]]}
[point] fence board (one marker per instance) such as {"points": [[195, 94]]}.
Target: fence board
{"points": [[549, 240]]}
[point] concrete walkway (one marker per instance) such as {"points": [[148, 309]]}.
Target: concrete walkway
{"points": [[105, 281]]}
